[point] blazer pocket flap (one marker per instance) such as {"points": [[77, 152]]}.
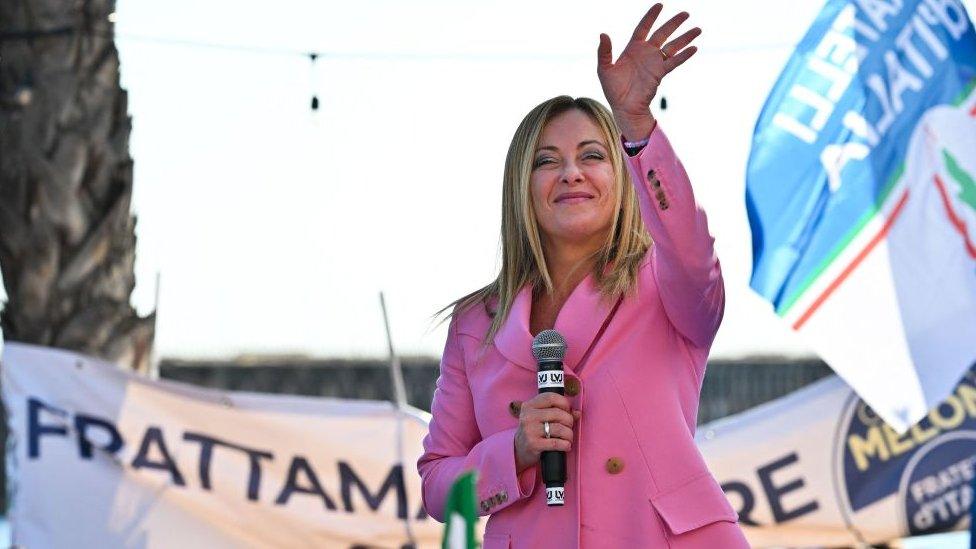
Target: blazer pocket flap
{"points": [[692, 505]]}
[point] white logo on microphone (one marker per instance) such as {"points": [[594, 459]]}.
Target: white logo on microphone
{"points": [[549, 379], [554, 495]]}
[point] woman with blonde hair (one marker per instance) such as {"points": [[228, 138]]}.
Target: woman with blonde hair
{"points": [[602, 240]]}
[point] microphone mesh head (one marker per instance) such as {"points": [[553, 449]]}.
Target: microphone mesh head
{"points": [[549, 345]]}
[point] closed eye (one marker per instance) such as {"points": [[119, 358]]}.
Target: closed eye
{"points": [[542, 160]]}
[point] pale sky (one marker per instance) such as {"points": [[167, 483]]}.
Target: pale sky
{"points": [[274, 228]]}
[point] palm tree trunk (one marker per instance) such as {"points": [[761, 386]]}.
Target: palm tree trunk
{"points": [[67, 237]]}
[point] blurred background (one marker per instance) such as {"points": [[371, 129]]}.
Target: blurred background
{"points": [[273, 226]]}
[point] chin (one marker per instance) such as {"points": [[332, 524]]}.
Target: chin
{"points": [[580, 232]]}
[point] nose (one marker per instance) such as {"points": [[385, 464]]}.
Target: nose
{"points": [[571, 173]]}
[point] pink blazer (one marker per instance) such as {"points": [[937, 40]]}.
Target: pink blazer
{"points": [[636, 478]]}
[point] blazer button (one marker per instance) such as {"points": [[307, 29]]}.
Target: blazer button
{"points": [[572, 386], [615, 465], [515, 408]]}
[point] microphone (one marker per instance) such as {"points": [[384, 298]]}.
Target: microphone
{"points": [[549, 348]]}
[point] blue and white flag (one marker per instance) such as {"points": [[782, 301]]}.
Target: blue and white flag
{"points": [[861, 192]]}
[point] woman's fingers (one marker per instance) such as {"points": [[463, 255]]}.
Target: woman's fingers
{"points": [[533, 414], [560, 438], [667, 29], [531, 439], [646, 22], [552, 415], [674, 61], [676, 45], [556, 444], [549, 400], [556, 430], [604, 53]]}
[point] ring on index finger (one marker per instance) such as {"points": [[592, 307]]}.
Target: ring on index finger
{"points": [[545, 427]]}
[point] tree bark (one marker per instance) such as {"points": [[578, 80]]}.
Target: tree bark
{"points": [[67, 237]]}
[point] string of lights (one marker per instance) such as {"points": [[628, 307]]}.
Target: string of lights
{"points": [[314, 55]]}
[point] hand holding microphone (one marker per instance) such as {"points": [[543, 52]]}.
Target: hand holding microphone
{"points": [[545, 430], [530, 439]]}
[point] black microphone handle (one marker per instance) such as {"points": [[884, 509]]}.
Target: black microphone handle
{"points": [[553, 462]]}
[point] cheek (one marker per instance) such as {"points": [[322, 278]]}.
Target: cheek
{"points": [[539, 189], [608, 205], [604, 180]]}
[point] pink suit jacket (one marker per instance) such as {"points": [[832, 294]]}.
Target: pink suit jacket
{"points": [[636, 478]]}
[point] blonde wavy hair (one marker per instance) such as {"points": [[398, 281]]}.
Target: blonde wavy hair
{"points": [[523, 257]]}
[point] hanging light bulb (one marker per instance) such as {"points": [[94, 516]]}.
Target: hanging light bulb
{"points": [[315, 99]]}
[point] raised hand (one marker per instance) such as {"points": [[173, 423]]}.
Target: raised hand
{"points": [[630, 84]]}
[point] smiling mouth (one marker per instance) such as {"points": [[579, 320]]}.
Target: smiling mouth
{"points": [[573, 198]]}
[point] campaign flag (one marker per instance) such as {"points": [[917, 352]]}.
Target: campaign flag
{"points": [[972, 515], [861, 194], [818, 468], [461, 513]]}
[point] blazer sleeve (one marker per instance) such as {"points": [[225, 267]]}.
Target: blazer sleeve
{"points": [[683, 259], [454, 445]]}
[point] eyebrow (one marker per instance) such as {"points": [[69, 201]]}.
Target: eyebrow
{"points": [[580, 146]]}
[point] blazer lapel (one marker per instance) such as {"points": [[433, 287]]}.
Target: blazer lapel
{"points": [[578, 321], [513, 339]]}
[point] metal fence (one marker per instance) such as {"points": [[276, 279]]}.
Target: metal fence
{"points": [[730, 385]]}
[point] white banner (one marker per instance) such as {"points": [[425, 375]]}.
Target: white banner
{"points": [[818, 467], [103, 458]]}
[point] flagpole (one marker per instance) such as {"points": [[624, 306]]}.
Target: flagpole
{"points": [[400, 399], [396, 372], [153, 372]]}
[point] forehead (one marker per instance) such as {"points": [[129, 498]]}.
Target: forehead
{"points": [[569, 128]]}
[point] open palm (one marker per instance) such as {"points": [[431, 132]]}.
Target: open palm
{"points": [[630, 84]]}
